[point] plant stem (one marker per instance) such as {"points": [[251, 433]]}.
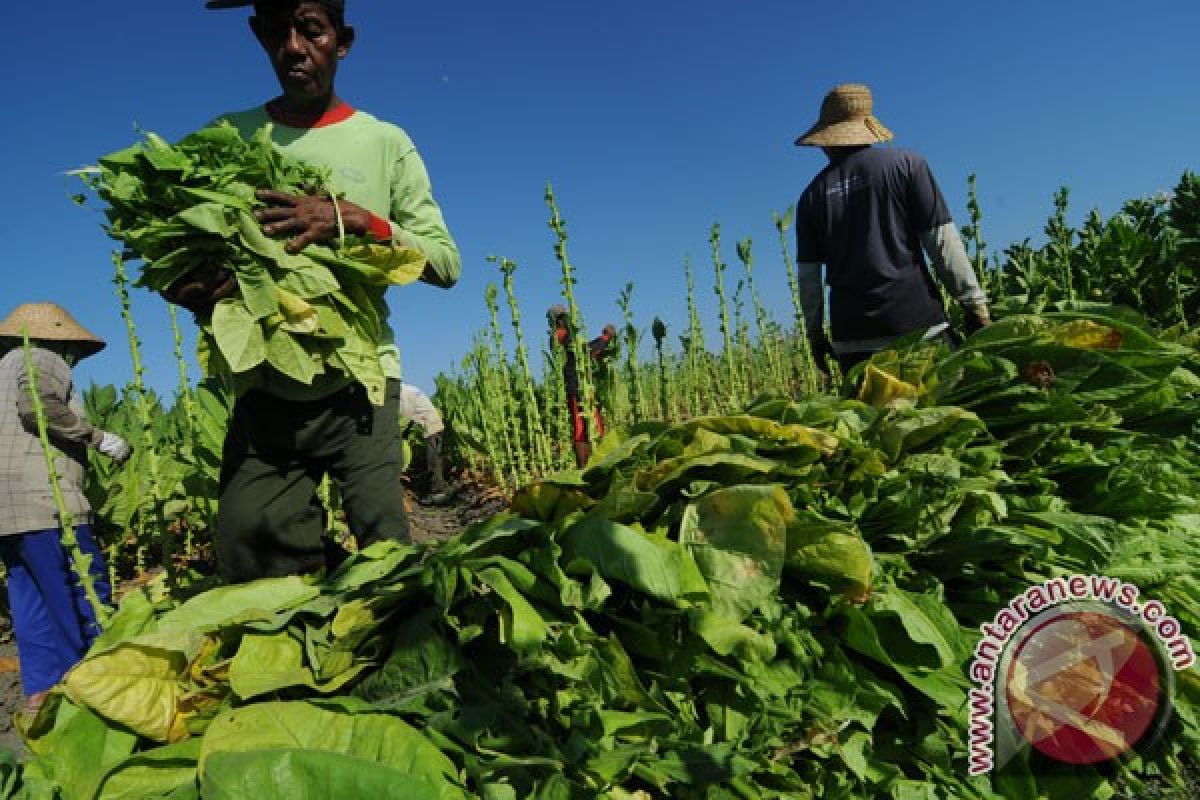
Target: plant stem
{"points": [[732, 377], [533, 417], [148, 445], [81, 562], [575, 326]]}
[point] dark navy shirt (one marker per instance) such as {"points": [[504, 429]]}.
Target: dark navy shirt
{"points": [[863, 216]]}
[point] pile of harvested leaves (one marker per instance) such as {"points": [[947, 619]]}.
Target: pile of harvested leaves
{"points": [[780, 604], [191, 206]]}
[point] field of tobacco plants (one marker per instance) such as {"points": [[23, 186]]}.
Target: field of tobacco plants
{"points": [[506, 396], [768, 582]]}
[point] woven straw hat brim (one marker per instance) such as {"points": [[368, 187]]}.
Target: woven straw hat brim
{"points": [[848, 133], [217, 5], [48, 322]]}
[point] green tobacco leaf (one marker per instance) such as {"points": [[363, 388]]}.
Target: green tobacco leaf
{"points": [[829, 552], [396, 266], [293, 774], [374, 738], [191, 204], [360, 357], [274, 251], [287, 355], [521, 626], [239, 336], [547, 501], [728, 636], [209, 218], [134, 616], [155, 773], [849, 690], [650, 563], [926, 647], [614, 450], [299, 316], [313, 281], [726, 468], [422, 662], [504, 532], [162, 157], [257, 291], [80, 748], [904, 430], [738, 538], [690, 764], [228, 605], [371, 565], [268, 663]]}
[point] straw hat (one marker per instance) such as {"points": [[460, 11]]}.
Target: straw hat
{"points": [[846, 120], [337, 5], [48, 322]]}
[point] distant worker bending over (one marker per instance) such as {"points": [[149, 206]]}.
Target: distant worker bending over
{"points": [[418, 409], [867, 216]]}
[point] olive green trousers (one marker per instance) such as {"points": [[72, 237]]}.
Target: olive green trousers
{"points": [[270, 521]]}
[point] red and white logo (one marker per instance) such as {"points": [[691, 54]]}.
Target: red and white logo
{"points": [[1083, 687], [1081, 668]]}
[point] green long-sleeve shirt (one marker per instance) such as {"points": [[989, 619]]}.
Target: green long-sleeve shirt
{"points": [[374, 165]]}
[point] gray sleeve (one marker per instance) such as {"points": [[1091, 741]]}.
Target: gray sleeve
{"points": [[63, 425], [949, 257], [812, 295]]}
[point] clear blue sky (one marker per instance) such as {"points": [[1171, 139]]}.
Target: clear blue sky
{"points": [[652, 119]]}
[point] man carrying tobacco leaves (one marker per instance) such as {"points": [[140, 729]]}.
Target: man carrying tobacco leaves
{"points": [[285, 436]]}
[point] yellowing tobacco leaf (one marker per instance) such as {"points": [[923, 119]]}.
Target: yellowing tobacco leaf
{"points": [[769, 432], [353, 619], [135, 685], [1087, 335], [397, 265], [830, 552], [298, 315], [883, 390]]}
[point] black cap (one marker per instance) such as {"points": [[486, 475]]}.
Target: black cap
{"points": [[336, 5]]}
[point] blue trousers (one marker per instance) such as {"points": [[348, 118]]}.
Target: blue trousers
{"points": [[52, 620]]}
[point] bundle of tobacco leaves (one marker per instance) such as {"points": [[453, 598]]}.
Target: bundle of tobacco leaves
{"points": [[191, 205]]}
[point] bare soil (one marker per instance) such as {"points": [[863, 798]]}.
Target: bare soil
{"points": [[469, 503], [11, 697]]}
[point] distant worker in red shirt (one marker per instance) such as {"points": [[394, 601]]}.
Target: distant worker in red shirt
{"points": [[870, 217], [597, 348]]}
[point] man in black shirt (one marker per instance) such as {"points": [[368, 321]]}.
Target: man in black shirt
{"points": [[870, 216]]}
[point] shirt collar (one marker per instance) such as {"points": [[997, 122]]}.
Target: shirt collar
{"points": [[339, 113]]}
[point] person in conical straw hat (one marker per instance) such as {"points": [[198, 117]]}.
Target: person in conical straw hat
{"points": [[871, 216], [53, 622]]}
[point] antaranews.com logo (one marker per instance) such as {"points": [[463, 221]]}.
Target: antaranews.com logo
{"points": [[1080, 668]]}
